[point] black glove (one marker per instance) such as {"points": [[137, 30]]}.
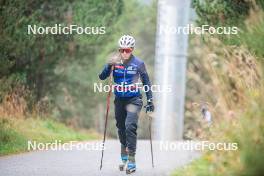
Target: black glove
{"points": [[150, 106]]}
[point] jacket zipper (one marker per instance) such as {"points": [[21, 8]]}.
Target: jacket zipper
{"points": [[123, 93]]}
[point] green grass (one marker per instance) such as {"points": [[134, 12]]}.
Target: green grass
{"points": [[15, 133], [199, 166]]}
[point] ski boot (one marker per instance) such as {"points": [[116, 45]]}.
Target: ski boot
{"points": [[131, 164], [124, 159], [131, 167]]}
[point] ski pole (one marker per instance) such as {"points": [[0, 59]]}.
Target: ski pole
{"points": [[106, 115], [150, 137]]}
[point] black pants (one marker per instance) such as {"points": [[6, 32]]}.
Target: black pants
{"points": [[126, 114]]}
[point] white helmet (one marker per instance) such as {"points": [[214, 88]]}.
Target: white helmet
{"points": [[127, 41]]}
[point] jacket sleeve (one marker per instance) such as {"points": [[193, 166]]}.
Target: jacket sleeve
{"points": [[106, 72], [145, 80]]}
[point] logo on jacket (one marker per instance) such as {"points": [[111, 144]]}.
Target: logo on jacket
{"points": [[130, 68]]}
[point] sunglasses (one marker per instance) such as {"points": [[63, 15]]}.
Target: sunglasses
{"points": [[127, 50]]}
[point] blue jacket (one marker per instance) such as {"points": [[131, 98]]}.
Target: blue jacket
{"points": [[126, 76]]}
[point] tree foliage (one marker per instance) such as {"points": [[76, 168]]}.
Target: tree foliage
{"points": [[219, 12], [35, 60]]}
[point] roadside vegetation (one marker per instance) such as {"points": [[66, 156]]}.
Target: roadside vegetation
{"points": [[15, 133], [226, 74]]}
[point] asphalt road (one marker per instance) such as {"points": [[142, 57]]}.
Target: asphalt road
{"points": [[86, 163]]}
